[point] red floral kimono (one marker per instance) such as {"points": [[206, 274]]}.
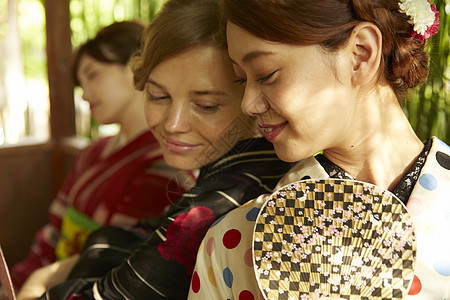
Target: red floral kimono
{"points": [[130, 184]]}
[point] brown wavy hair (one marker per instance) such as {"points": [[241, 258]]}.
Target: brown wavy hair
{"points": [[180, 26], [329, 23]]}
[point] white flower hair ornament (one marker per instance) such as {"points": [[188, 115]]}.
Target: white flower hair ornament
{"points": [[423, 16]]}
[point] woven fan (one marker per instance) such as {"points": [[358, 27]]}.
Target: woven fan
{"points": [[333, 238]]}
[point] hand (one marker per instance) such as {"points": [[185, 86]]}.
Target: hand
{"points": [[46, 277]]}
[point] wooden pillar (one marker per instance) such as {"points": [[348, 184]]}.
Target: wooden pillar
{"points": [[59, 49]]}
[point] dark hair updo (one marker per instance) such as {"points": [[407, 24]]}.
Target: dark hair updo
{"points": [[329, 23], [115, 43]]}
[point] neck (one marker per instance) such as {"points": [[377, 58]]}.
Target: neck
{"points": [[133, 121], [382, 147], [132, 124]]}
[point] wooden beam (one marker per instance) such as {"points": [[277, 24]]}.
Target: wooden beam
{"points": [[59, 49], [62, 111]]}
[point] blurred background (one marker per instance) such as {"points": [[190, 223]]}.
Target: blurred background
{"points": [[44, 122], [24, 99]]}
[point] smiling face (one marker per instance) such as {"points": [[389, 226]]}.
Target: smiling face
{"points": [[108, 87], [302, 103], [193, 107]]}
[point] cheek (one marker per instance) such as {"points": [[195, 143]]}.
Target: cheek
{"points": [[154, 115]]}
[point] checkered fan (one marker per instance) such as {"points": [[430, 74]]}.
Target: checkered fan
{"points": [[333, 238]]}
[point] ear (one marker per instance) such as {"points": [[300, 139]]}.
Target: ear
{"points": [[365, 44]]}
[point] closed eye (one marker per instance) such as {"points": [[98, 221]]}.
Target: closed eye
{"points": [[266, 78], [154, 98], [241, 81]]}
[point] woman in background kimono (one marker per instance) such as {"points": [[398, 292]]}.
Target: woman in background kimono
{"points": [[116, 180]]}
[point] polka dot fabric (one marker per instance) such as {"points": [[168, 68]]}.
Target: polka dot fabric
{"points": [[429, 207], [215, 279]]}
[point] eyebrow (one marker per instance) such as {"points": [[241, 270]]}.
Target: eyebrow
{"points": [[197, 93], [252, 55]]}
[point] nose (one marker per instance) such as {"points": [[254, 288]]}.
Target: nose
{"points": [[178, 119], [85, 96], [254, 102]]}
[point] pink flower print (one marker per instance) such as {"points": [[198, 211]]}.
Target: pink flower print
{"points": [[292, 194], [358, 195], [282, 193], [339, 209], [348, 214], [304, 297], [329, 195], [299, 238], [296, 185], [271, 203], [350, 197], [304, 230]]}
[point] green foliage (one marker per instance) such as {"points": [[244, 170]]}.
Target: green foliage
{"points": [[32, 31], [88, 16], [428, 108]]}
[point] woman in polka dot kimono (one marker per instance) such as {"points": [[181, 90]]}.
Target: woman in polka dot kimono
{"points": [[330, 75]]}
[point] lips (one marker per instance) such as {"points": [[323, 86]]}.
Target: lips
{"points": [[271, 131], [179, 147]]}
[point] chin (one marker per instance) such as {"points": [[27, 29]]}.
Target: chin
{"points": [[181, 163], [289, 155]]}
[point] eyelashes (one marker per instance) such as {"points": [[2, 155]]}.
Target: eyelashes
{"points": [[200, 107], [264, 79]]}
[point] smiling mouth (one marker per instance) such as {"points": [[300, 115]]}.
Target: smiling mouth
{"points": [[179, 147], [272, 131]]}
